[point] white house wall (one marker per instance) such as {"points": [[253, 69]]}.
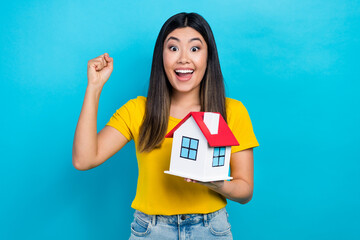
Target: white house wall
{"points": [[178, 164], [218, 171]]}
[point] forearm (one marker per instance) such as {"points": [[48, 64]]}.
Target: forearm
{"points": [[85, 139], [237, 190]]}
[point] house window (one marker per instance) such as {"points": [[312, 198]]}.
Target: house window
{"points": [[219, 157], [189, 147]]}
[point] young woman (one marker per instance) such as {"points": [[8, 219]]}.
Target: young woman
{"points": [[185, 76]]}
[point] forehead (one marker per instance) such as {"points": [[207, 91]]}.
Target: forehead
{"points": [[184, 34]]}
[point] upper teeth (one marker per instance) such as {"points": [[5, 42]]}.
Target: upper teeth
{"points": [[184, 71]]}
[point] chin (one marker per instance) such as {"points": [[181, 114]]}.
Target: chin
{"points": [[186, 90]]}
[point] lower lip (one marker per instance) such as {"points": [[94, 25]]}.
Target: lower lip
{"points": [[186, 78]]}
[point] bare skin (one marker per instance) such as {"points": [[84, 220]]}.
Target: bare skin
{"points": [[90, 149]]}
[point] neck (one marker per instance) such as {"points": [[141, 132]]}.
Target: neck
{"points": [[185, 99]]}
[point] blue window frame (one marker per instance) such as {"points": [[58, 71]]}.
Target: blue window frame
{"points": [[219, 157], [189, 147]]}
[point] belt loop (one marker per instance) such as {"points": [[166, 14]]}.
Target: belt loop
{"points": [[205, 220], [153, 220]]}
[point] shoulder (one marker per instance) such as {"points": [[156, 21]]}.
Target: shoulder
{"points": [[136, 103], [140, 100], [130, 113], [234, 106], [236, 111], [133, 108]]}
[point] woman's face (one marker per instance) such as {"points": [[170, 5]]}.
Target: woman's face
{"points": [[185, 59]]}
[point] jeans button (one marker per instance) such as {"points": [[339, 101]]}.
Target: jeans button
{"points": [[183, 217]]}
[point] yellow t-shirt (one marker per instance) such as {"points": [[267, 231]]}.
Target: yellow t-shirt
{"points": [[164, 194]]}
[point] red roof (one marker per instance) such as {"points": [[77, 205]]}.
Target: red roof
{"points": [[224, 137]]}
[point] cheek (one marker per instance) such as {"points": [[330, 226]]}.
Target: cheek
{"points": [[202, 61], [167, 67], [167, 61]]}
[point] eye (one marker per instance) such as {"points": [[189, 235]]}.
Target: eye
{"points": [[173, 48], [195, 49]]}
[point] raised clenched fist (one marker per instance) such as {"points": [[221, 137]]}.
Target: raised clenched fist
{"points": [[99, 70]]}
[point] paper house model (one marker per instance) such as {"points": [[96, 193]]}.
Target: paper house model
{"points": [[201, 147]]}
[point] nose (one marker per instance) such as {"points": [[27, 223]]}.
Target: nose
{"points": [[183, 57]]}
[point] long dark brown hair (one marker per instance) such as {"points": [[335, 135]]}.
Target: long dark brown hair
{"points": [[212, 90]]}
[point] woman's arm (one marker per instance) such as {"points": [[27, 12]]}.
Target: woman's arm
{"points": [[240, 188], [90, 148]]}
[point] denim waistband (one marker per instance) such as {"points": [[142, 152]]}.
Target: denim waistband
{"points": [[178, 219]]}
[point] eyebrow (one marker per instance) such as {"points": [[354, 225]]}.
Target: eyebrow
{"points": [[176, 39]]}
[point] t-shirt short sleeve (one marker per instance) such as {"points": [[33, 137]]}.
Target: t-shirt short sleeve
{"points": [[240, 124], [127, 117]]}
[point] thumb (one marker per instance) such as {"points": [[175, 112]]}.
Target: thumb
{"points": [[109, 60]]}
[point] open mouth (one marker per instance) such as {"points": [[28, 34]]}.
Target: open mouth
{"points": [[184, 73]]}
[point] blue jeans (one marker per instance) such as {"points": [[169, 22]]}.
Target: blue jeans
{"points": [[182, 227]]}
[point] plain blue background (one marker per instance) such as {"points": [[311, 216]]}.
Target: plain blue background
{"points": [[294, 64]]}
